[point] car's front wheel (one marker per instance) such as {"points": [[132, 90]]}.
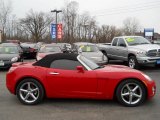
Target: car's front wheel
{"points": [[30, 92], [131, 93], [133, 63]]}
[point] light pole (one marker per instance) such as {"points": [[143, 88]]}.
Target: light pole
{"points": [[0, 36], [56, 11]]}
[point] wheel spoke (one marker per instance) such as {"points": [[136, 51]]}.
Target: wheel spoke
{"points": [[29, 86], [136, 95], [27, 96], [125, 94], [33, 90], [130, 99], [135, 88], [33, 96], [23, 90], [128, 87]]}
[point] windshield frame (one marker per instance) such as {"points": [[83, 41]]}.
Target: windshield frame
{"points": [[88, 67]]}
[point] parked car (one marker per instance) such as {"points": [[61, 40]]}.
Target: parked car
{"points": [[136, 50], [66, 47], [156, 42], [9, 54], [48, 49], [12, 41], [90, 51], [65, 75], [29, 50]]}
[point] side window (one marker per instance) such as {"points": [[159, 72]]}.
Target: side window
{"points": [[121, 42], [115, 42], [65, 64]]}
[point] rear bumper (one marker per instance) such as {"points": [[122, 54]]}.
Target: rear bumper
{"points": [[30, 54]]}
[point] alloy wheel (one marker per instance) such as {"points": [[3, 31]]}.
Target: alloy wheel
{"points": [[29, 92], [131, 93], [132, 63]]}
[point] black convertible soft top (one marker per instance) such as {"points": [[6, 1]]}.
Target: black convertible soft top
{"points": [[48, 59]]}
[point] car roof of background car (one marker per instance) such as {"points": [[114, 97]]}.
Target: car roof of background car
{"points": [[8, 44], [127, 36], [48, 45], [48, 59], [83, 43]]}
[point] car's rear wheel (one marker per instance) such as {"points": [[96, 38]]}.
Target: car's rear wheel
{"points": [[30, 92], [133, 63], [131, 93]]}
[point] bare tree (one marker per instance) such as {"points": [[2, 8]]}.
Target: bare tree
{"points": [[106, 33], [69, 19], [5, 10], [36, 24], [131, 26]]}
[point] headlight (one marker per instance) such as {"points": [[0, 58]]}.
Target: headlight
{"points": [[147, 77], [15, 59], [141, 52]]}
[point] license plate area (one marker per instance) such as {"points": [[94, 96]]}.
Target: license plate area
{"points": [[158, 61], [1, 63]]}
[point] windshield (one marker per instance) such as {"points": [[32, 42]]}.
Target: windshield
{"points": [[89, 48], [47, 49], [8, 50], [136, 41], [89, 63]]}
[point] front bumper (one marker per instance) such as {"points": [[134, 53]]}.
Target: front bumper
{"points": [[6, 65], [151, 88], [148, 60]]}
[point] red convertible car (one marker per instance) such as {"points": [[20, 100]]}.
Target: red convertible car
{"points": [[74, 76]]}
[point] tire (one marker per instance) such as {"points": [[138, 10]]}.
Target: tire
{"points": [[30, 92], [133, 63], [131, 93]]}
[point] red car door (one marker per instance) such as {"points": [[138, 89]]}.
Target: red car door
{"points": [[72, 83]]}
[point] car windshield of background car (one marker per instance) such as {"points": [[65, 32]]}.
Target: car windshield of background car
{"points": [[50, 49], [136, 41], [8, 50], [89, 48]]}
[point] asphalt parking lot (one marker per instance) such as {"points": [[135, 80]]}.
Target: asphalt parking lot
{"points": [[71, 109]]}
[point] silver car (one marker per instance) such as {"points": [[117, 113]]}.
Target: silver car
{"points": [[90, 51]]}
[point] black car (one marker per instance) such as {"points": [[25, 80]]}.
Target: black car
{"points": [[29, 50], [9, 54]]}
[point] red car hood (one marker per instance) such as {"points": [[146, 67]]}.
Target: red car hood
{"points": [[117, 68]]}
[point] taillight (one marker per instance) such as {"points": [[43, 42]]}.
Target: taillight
{"points": [[31, 49]]}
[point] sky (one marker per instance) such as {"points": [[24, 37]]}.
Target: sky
{"points": [[109, 12]]}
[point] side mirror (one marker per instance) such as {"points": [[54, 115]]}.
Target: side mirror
{"points": [[80, 68]]}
